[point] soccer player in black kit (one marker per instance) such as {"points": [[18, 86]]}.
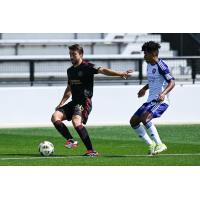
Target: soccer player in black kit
{"points": [[80, 87]]}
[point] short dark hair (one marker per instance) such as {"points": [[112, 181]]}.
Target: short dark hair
{"points": [[151, 46], [76, 47]]}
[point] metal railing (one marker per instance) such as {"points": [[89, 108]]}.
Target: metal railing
{"points": [[50, 70]]}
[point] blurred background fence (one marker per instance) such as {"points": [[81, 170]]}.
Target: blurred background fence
{"points": [[52, 70], [41, 59], [34, 59]]}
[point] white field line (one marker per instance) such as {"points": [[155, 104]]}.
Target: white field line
{"points": [[109, 156]]}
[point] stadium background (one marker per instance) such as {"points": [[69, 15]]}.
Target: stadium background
{"points": [[128, 16], [33, 75], [33, 79]]}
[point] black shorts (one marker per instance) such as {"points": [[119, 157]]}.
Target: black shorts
{"points": [[82, 110]]}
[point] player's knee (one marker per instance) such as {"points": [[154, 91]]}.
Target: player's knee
{"points": [[145, 119], [55, 117], [131, 121], [76, 122], [134, 122]]}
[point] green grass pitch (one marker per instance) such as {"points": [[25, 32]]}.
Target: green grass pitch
{"points": [[117, 145]]}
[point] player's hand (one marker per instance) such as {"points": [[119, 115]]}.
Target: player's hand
{"points": [[141, 93], [161, 97], [126, 74]]}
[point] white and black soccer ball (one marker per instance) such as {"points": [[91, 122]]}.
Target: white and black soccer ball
{"points": [[46, 148]]}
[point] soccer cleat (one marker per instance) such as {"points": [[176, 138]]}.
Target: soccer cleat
{"points": [[71, 144], [160, 148], [91, 153], [152, 148]]}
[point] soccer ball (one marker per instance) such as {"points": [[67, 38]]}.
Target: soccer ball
{"points": [[46, 148]]}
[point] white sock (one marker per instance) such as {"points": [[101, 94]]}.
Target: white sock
{"points": [[142, 134], [153, 132]]}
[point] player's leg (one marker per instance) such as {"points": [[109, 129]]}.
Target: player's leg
{"points": [[146, 120], [154, 112], [79, 118], [83, 133], [57, 118], [139, 129], [160, 147], [135, 123]]}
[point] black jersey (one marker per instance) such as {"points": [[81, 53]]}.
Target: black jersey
{"points": [[81, 81]]}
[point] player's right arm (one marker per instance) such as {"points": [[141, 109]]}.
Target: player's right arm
{"points": [[142, 92], [109, 72], [66, 96]]}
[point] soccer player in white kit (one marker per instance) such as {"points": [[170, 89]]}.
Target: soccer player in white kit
{"points": [[160, 83]]}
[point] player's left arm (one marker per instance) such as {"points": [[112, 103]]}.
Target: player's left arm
{"points": [[164, 70], [110, 72], [169, 87]]}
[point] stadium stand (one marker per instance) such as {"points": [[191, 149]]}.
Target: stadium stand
{"points": [[43, 57], [92, 43]]}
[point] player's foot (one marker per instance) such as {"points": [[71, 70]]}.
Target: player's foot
{"points": [[152, 148], [71, 143], [91, 153], [160, 148]]}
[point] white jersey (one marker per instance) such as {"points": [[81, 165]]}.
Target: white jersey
{"points": [[158, 76]]}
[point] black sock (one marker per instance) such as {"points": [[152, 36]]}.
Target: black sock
{"points": [[82, 131], [61, 128]]}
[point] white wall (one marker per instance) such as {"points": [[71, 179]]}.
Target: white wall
{"points": [[33, 106]]}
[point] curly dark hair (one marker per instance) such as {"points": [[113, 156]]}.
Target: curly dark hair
{"points": [[150, 46]]}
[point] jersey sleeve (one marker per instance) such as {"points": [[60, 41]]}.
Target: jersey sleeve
{"points": [[164, 71], [93, 68]]}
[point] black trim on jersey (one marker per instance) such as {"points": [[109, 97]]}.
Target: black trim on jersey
{"points": [[163, 73]]}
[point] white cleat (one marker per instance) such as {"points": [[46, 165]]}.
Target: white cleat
{"points": [[152, 149], [160, 148]]}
